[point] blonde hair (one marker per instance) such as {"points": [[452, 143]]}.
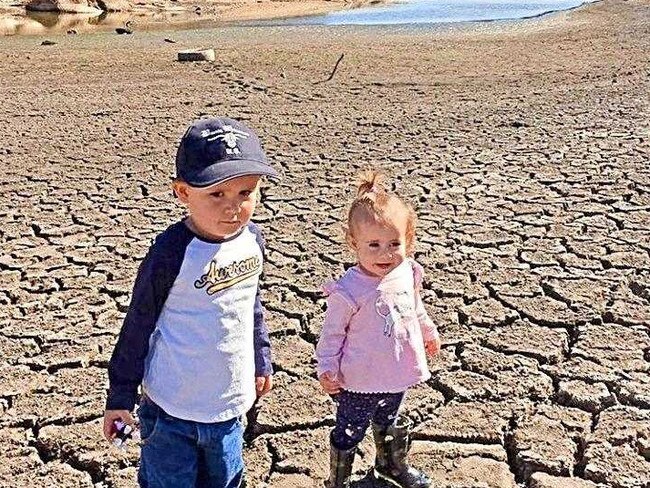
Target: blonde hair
{"points": [[374, 203]]}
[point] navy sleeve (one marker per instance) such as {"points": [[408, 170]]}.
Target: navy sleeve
{"points": [[155, 278], [261, 342]]}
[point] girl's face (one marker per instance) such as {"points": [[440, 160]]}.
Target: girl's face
{"points": [[380, 248]]}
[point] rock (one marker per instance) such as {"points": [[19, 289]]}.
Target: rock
{"points": [[19, 380], [616, 452], [542, 343], [617, 466], [196, 55], [621, 425], [71, 6], [79, 6], [586, 396], [542, 310], [635, 390], [591, 292], [282, 480], [628, 313], [293, 404], [627, 260], [451, 464], [484, 239], [467, 422], [115, 5], [543, 480], [258, 461], [293, 354], [514, 375], [466, 385], [29, 471], [123, 478], [615, 347], [281, 324], [583, 369], [487, 313], [421, 402], [306, 453], [549, 439], [126, 29], [82, 445]]}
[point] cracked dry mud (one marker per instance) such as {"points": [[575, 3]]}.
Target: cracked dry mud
{"points": [[524, 149]]}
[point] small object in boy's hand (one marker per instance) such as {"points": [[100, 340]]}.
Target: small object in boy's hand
{"points": [[123, 433]]}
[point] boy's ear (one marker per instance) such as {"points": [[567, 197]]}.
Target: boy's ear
{"points": [[180, 189]]}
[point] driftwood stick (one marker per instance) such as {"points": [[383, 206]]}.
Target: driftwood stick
{"points": [[334, 70]]}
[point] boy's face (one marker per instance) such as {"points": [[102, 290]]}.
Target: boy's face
{"points": [[380, 248], [221, 210]]}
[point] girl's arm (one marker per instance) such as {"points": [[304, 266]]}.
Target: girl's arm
{"points": [[332, 338], [428, 328]]}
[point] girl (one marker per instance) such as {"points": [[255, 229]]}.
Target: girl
{"points": [[376, 331]]}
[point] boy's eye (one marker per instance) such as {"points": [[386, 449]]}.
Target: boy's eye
{"points": [[217, 194], [374, 244], [396, 244], [246, 193]]}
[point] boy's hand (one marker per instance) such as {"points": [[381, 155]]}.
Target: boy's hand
{"points": [[263, 384], [432, 347], [111, 416], [329, 383]]}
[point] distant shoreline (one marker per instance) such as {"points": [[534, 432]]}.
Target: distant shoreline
{"points": [[267, 13]]}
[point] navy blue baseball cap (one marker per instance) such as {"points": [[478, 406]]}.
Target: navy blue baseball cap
{"points": [[214, 150]]}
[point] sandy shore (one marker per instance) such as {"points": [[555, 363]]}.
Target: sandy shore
{"points": [[524, 147]]}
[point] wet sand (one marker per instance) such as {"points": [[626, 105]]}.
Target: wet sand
{"points": [[524, 147]]}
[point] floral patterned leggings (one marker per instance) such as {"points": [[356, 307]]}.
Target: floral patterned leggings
{"points": [[356, 410]]}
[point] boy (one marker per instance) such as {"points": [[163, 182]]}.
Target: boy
{"points": [[194, 336]]}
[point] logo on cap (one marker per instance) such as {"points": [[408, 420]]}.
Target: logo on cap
{"points": [[228, 134]]}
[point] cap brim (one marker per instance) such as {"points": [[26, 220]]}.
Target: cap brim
{"points": [[227, 170]]}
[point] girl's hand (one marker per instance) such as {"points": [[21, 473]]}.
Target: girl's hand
{"points": [[111, 416], [432, 347], [329, 383], [263, 384]]}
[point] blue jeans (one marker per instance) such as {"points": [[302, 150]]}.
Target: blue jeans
{"points": [[180, 453]]}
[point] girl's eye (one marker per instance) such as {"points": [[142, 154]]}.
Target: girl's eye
{"points": [[396, 244], [217, 194], [373, 245], [246, 193]]}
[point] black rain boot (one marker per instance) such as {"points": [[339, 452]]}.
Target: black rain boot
{"points": [[392, 444], [340, 467]]}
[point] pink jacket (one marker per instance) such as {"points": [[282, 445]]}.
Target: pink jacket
{"points": [[374, 331]]}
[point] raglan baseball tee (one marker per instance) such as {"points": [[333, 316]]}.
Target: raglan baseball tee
{"points": [[194, 335]]}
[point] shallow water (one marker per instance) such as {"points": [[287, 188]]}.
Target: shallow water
{"points": [[402, 12], [434, 11]]}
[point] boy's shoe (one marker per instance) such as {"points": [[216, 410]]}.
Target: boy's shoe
{"points": [[340, 467], [392, 444]]}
